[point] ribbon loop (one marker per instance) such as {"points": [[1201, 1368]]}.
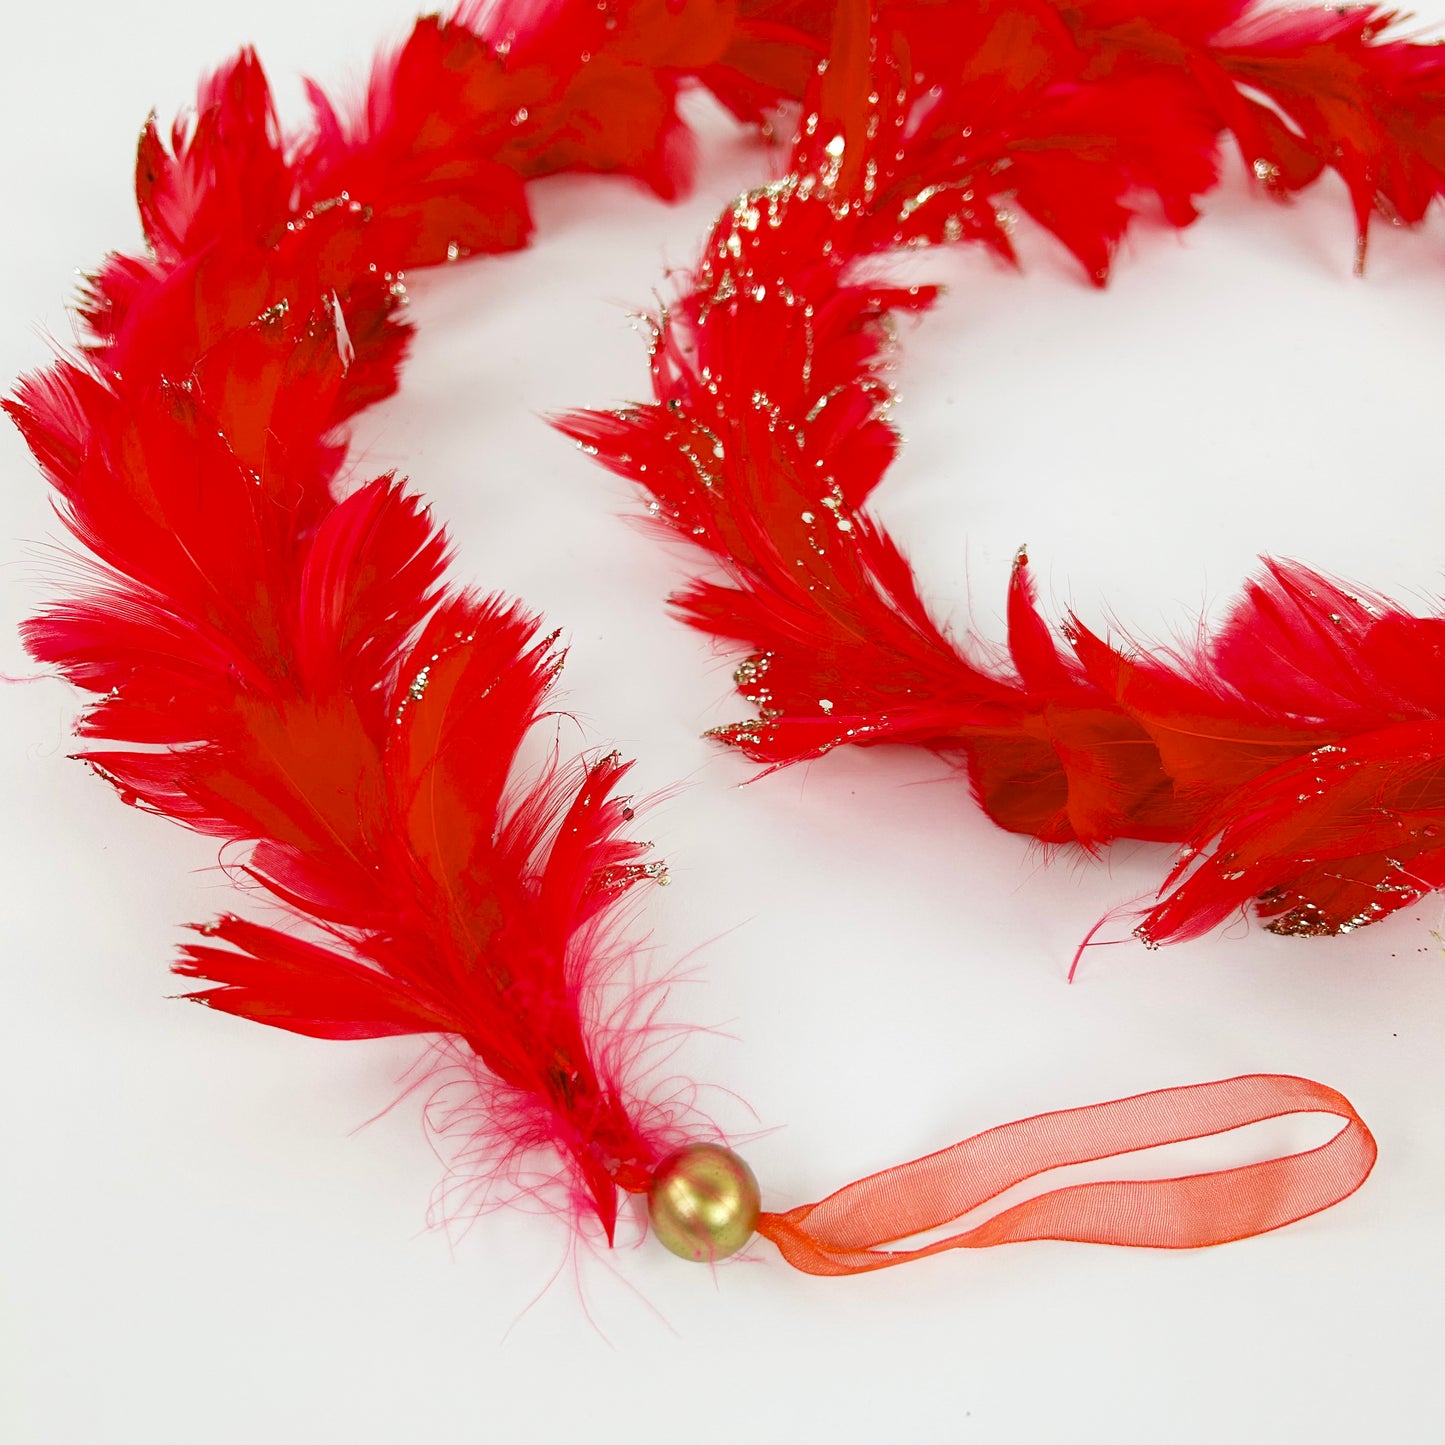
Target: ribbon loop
{"points": [[842, 1233]]}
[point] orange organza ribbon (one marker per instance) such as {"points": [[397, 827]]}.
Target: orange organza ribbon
{"points": [[842, 1233]]}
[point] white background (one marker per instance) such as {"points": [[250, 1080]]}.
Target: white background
{"points": [[195, 1245]]}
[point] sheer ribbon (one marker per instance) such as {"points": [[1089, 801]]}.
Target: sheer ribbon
{"points": [[842, 1234]]}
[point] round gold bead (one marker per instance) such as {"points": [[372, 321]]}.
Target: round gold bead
{"points": [[704, 1202]]}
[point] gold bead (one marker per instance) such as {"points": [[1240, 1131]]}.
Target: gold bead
{"points": [[704, 1202]]}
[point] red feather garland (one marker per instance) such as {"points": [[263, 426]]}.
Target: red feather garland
{"points": [[286, 670], [1297, 754]]}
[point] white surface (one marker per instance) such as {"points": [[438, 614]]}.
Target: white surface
{"points": [[197, 1247]]}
